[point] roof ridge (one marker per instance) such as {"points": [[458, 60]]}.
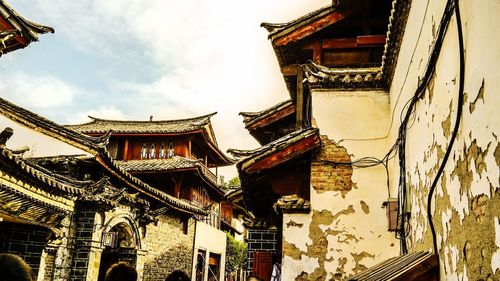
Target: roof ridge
{"points": [[96, 119]]}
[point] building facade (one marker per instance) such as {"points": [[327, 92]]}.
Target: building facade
{"points": [[402, 95]]}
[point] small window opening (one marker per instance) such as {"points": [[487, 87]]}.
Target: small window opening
{"points": [[170, 150], [144, 151], [152, 151], [163, 152]]}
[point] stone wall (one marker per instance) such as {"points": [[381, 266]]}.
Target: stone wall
{"points": [[168, 248]]}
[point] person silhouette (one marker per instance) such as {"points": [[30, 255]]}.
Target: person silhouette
{"points": [[14, 268], [121, 271]]}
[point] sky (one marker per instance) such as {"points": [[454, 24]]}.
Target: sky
{"points": [[130, 59]]}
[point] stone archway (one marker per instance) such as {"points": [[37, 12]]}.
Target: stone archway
{"points": [[120, 243]]}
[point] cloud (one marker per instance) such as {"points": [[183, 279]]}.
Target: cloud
{"points": [[207, 56], [38, 91], [105, 112]]}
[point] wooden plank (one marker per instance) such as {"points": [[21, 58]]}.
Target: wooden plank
{"points": [[311, 28], [284, 155], [370, 40]]}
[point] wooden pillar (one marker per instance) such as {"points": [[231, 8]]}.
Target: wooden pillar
{"points": [[317, 52], [189, 148], [125, 149], [299, 101]]}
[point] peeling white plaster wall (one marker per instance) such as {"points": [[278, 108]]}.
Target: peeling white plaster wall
{"points": [[467, 195], [356, 235]]}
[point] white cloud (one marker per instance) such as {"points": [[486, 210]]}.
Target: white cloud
{"points": [[105, 112], [38, 91], [211, 55]]}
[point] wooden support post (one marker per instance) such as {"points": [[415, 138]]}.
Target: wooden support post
{"points": [[125, 150], [317, 52], [299, 103], [189, 148]]}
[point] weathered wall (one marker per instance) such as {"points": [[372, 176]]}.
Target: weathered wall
{"points": [[211, 240], [346, 230], [467, 198], [168, 248]]}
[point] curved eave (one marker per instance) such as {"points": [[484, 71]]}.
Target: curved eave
{"points": [[280, 151], [30, 30], [33, 121]]}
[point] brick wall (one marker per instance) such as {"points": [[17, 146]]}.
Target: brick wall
{"points": [[262, 240], [331, 177], [27, 241], [168, 248], [84, 219]]}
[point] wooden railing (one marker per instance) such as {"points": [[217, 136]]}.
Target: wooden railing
{"points": [[206, 172]]}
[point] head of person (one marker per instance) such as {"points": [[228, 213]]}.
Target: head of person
{"points": [[121, 271], [253, 278], [14, 268], [177, 275]]}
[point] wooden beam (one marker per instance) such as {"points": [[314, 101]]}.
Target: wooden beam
{"points": [[311, 28], [340, 43], [290, 70], [299, 103], [370, 40]]}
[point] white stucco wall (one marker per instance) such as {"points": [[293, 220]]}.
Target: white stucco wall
{"points": [[467, 198], [40, 145], [211, 240]]}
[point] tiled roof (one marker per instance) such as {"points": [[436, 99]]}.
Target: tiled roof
{"points": [[166, 164], [62, 184], [16, 25], [292, 203], [101, 126], [321, 76], [251, 117], [412, 266], [95, 146], [169, 165]]}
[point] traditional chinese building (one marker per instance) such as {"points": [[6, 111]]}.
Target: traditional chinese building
{"points": [[71, 216], [180, 158], [16, 32], [401, 172]]}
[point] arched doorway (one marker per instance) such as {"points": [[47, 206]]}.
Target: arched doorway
{"points": [[120, 246]]}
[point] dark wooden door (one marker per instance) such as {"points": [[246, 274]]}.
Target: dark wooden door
{"points": [[263, 265]]}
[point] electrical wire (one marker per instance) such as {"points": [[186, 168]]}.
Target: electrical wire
{"points": [[429, 71], [453, 137]]}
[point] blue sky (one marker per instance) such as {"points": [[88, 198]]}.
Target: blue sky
{"points": [[129, 59]]}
